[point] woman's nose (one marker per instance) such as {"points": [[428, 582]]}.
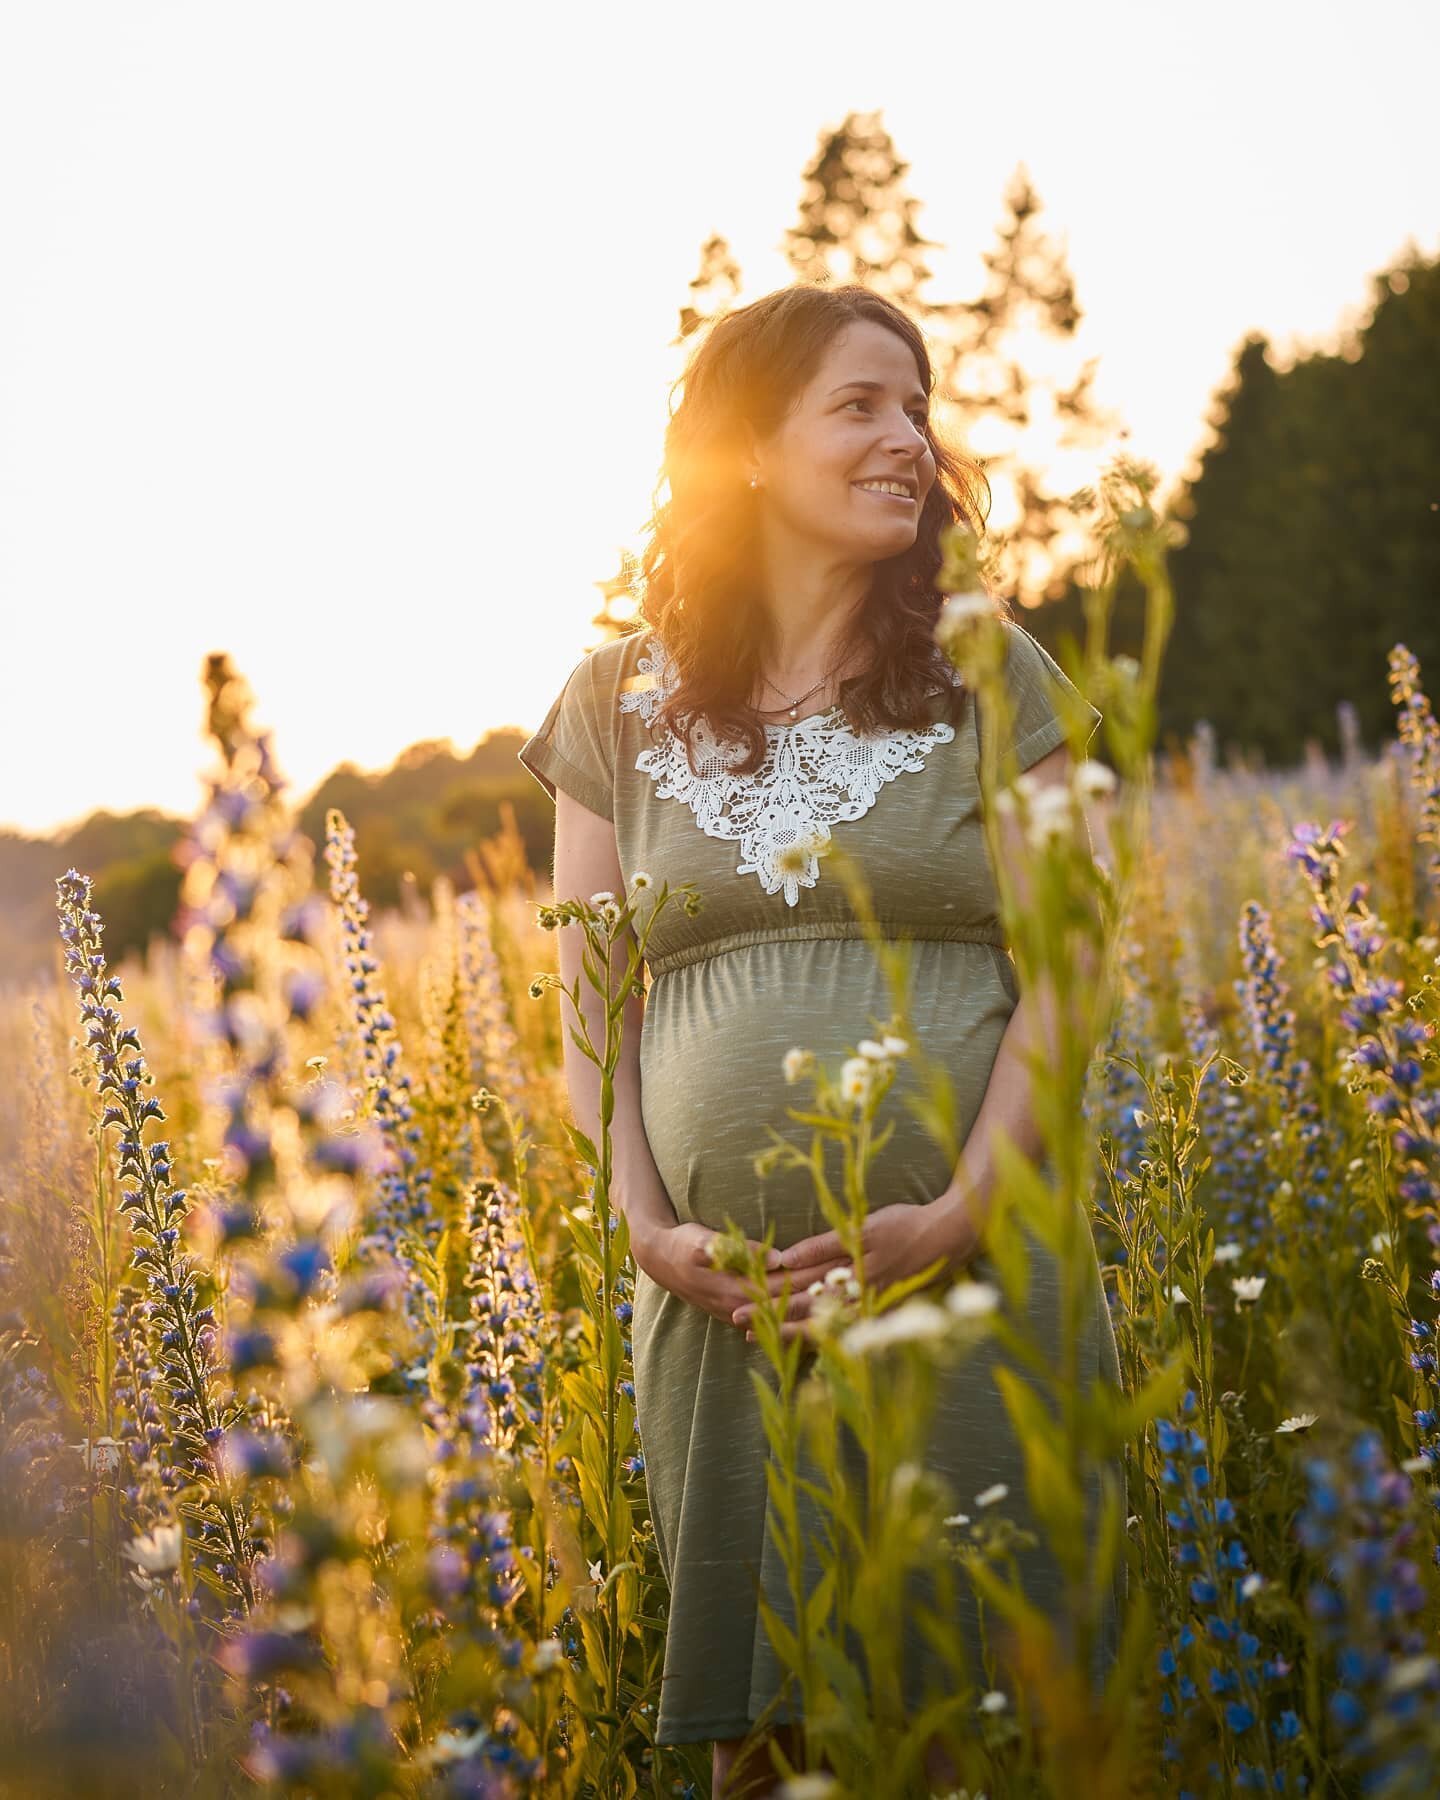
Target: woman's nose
{"points": [[903, 434]]}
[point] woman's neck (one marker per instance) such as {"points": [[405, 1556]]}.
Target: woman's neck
{"points": [[811, 604]]}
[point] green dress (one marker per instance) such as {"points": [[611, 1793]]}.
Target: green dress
{"points": [[773, 960]]}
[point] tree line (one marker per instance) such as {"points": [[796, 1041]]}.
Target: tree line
{"points": [[1311, 522]]}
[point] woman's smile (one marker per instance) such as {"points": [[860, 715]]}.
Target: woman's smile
{"points": [[895, 492]]}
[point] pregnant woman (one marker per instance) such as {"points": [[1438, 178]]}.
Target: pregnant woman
{"points": [[787, 683]]}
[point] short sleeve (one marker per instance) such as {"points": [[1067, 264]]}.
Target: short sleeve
{"points": [[574, 745], [1034, 680]]}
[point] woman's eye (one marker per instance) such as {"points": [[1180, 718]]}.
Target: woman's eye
{"points": [[921, 419]]}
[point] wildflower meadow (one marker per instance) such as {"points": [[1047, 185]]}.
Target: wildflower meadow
{"points": [[319, 1465]]}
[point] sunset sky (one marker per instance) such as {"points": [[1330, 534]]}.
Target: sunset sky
{"points": [[337, 335]]}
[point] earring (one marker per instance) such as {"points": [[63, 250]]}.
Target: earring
{"points": [[754, 481]]}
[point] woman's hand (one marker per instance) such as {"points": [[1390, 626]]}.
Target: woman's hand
{"points": [[897, 1242], [678, 1258]]}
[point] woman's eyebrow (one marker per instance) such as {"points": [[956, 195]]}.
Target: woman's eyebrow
{"points": [[875, 387]]}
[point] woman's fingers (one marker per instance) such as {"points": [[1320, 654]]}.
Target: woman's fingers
{"points": [[798, 1307], [800, 1279], [800, 1328]]}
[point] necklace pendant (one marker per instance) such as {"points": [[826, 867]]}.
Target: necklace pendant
{"points": [[794, 712]]}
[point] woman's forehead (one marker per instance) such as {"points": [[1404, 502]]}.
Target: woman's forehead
{"points": [[865, 351]]}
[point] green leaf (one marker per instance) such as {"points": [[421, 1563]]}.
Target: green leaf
{"points": [[907, 1285], [1004, 1245], [1126, 1416], [781, 1636], [817, 1607], [1050, 1487], [582, 1144]]}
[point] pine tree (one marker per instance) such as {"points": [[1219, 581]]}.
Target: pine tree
{"points": [[713, 290], [857, 219], [1312, 543]]}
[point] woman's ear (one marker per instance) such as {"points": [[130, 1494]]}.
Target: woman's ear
{"points": [[749, 455]]}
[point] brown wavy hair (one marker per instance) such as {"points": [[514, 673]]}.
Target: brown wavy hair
{"points": [[701, 593]]}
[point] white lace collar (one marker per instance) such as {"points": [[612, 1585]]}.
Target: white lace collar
{"points": [[815, 772]]}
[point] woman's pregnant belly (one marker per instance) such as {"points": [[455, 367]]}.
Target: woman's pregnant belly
{"points": [[712, 1078]]}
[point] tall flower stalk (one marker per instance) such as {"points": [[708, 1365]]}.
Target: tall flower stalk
{"points": [[1061, 922], [1420, 734], [182, 1399], [405, 1182], [1385, 1060], [601, 1388]]}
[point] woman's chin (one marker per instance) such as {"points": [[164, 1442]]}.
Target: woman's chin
{"points": [[880, 546]]}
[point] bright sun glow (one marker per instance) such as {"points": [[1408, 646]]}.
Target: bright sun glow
{"points": [[338, 336]]}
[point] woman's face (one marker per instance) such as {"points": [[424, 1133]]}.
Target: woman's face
{"points": [[859, 423]]}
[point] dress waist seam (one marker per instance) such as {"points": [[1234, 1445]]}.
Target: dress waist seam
{"points": [[835, 929]]}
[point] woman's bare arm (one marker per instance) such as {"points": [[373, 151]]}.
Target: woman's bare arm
{"points": [[1041, 1019], [675, 1255]]}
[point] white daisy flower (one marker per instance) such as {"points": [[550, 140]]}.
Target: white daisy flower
{"points": [[1251, 1585], [1410, 1671], [1051, 818], [1178, 1297], [988, 1496], [600, 899], [873, 1051], [895, 1046], [855, 1080], [1297, 1422], [1247, 1288], [973, 1299], [640, 879], [993, 1702], [960, 617], [1229, 1252], [957, 1519], [916, 1321], [451, 1747], [798, 1062], [157, 1552], [1092, 779]]}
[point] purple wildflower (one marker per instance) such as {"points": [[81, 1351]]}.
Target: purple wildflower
{"points": [[1386, 1035], [176, 1417], [1420, 734], [1368, 1605], [1215, 1642]]}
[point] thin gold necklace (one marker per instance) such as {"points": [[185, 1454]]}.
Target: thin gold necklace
{"points": [[793, 704]]}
